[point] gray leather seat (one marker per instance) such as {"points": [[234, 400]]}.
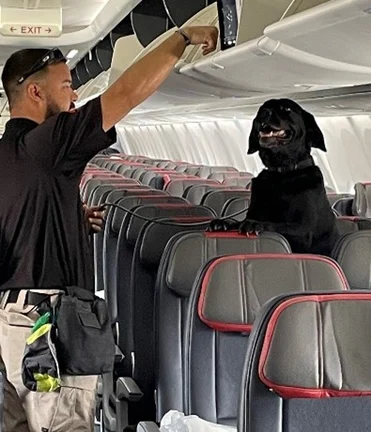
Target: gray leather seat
{"points": [[362, 200], [216, 199], [235, 205], [177, 187], [307, 367], [183, 257], [353, 253], [114, 220], [135, 304], [228, 295]]}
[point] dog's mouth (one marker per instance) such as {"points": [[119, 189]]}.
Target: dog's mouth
{"points": [[271, 136]]}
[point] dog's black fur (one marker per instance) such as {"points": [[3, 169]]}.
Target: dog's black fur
{"points": [[289, 196]]}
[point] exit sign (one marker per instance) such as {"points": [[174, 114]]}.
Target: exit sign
{"points": [[30, 30]]}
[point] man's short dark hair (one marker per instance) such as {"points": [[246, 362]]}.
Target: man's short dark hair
{"points": [[18, 64]]}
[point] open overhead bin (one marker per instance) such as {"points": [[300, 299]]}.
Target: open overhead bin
{"points": [[269, 65], [337, 30], [256, 15]]}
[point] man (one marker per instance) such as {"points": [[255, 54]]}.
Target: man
{"points": [[43, 235]]}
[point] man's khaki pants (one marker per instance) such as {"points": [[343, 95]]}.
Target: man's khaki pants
{"points": [[71, 408]]}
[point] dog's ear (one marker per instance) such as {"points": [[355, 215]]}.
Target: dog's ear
{"points": [[314, 134], [254, 145]]}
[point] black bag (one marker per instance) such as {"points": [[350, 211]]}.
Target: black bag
{"points": [[84, 338]]}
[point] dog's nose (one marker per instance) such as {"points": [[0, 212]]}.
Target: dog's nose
{"points": [[266, 115]]}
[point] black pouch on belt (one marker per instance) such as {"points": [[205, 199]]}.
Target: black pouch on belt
{"points": [[84, 338]]}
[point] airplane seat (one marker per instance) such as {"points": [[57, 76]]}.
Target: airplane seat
{"points": [[242, 181], [170, 165], [181, 260], [114, 219], [90, 185], [234, 205], [223, 305], [307, 365], [349, 224], [353, 253], [362, 200], [104, 185], [192, 169], [177, 186], [154, 170], [205, 171], [103, 195], [158, 180], [195, 193], [329, 190], [217, 199], [135, 303], [343, 206], [220, 176]]}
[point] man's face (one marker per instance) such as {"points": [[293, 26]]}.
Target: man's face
{"points": [[59, 95]]}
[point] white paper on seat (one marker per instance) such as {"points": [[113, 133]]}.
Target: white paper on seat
{"points": [[175, 421]]}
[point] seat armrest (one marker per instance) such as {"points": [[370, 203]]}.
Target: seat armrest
{"points": [[127, 389], [147, 427]]}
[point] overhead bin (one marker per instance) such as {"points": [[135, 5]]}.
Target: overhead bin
{"points": [[305, 61], [124, 28], [182, 11], [149, 20], [256, 15], [126, 49], [337, 30]]}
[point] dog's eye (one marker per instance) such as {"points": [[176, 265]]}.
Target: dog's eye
{"points": [[287, 109]]}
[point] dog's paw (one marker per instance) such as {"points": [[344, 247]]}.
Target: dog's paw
{"points": [[217, 225], [249, 226]]}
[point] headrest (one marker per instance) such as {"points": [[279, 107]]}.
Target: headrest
{"points": [[155, 237], [351, 224], [362, 200], [353, 253], [217, 199], [238, 181], [130, 202], [317, 346], [191, 251], [160, 211], [195, 193], [177, 187], [205, 171], [234, 205], [234, 288]]}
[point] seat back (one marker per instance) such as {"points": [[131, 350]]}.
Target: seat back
{"points": [[362, 200], [176, 187], [307, 366], [135, 304], [353, 253], [216, 199], [223, 306], [183, 257], [234, 205], [114, 220]]}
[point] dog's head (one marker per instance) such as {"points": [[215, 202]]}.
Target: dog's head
{"points": [[284, 133]]}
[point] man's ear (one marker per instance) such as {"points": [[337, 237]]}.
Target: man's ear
{"points": [[314, 134], [254, 145], [35, 92]]}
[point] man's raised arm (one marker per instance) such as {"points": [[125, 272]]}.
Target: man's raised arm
{"points": [[146, 75]]}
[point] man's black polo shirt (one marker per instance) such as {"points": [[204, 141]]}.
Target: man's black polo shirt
{"points": [[43, 234]]}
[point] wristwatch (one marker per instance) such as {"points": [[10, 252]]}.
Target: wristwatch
{"points": [[185, 36]]}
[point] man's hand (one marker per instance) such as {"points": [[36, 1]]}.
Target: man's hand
{"points": [[207, 36], [95, 218]]}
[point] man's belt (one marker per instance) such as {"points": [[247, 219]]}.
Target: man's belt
{"points": [[32, 298]]}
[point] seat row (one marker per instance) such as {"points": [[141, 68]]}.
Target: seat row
{"points": [[148, 271]]}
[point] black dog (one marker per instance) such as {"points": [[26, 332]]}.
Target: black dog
{"points": [[289, 196]]}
